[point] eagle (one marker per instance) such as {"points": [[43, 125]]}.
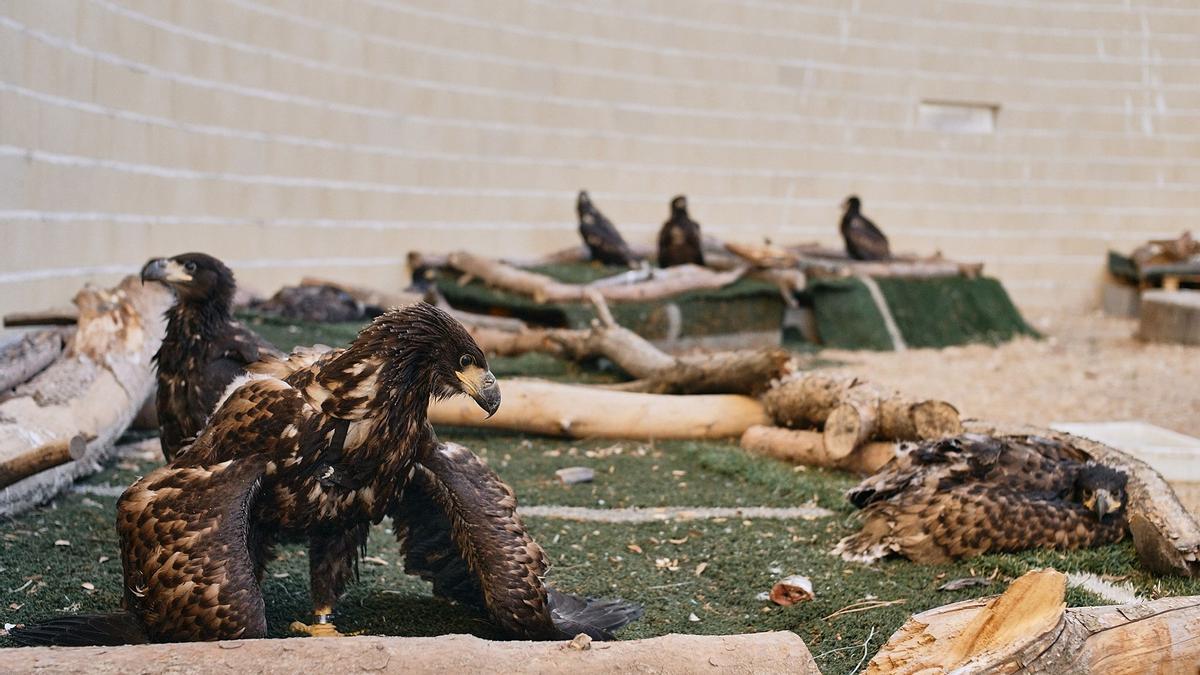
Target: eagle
{"points": [[316, 447], [864, 241], [204, 348], [679, 238], [964, 496], [603, 241]]}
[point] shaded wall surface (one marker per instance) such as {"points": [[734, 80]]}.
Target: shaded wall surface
{"points": [[331, 136]]}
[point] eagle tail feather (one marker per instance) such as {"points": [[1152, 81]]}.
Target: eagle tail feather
{"points": [[597, 618], [83, 630]]}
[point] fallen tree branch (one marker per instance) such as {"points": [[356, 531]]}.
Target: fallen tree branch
{"points": [[808, 448], [541, 288], [575, 411], [41, 458], [1166, 535], [1028, 629]]}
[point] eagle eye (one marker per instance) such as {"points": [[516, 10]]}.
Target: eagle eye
{"points": [[465, 361], [190, 266]]}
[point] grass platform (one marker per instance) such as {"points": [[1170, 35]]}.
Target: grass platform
{"points": [[39, 578]]}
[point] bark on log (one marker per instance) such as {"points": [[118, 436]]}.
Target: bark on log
{"points": [[1028, 629], [1166, 535], [808, 448], [542, 288], [95, 388], [777, 652], [575, 411], [27, 355], [851, 412]]}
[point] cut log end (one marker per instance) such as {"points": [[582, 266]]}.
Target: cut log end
{"points": [[849, 426], [936, 419]]}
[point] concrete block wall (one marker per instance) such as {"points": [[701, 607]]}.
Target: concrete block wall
{"points": [[329, 137]]}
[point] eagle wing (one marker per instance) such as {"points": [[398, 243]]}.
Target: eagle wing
{"points": [[864, 241], [602, 238], [189, 551], [458, 527]]}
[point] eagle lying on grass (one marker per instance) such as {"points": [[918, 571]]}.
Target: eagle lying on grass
{"points": [[204, 348], [318, 447], [964, 496], [679, 239], [864, 241], [603, 241]]}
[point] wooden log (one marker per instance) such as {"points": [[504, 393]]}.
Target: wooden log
{"points": [[27, 355], [41, 458], [776, 652], [95, 388], [1028, 629], [798, 446], [575, 411], [65, 316], [541, 288], [1166, 535], [851, 411]]}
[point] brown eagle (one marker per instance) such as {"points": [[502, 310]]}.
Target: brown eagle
{"points": [[864, 241], [204, 348], [318, 447], [964, 496], [603, 241], [679, 238]]}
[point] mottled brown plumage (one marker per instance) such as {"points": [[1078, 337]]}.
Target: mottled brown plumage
{"points": [[204, 348], [864, 241], [679, 239], [603, 240], [317, 447], [960, 497]]}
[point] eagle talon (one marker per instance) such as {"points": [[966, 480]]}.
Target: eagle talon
{"points": [[321, 627]]}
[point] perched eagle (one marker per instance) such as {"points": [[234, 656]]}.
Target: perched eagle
{"points": [[601, 237], [204, 349], [964, 496], [864, 241], [317, 447], [679, 238]]}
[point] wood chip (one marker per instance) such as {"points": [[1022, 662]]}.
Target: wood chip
{"points": [[634, 548], [62, 542], [375, 560], [792, 591], [965, 582], [575, 474], [700, 568], [88, 586]]}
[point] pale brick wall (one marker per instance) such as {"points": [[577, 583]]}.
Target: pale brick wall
{"points": [[331, 136]]}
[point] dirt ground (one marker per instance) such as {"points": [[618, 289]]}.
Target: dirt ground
{"points": [[1088, 369]]}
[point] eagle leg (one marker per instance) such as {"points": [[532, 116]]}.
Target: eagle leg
{"points": [[332, 561]]}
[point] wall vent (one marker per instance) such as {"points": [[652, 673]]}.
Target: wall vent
{"points": [[957, 117]]}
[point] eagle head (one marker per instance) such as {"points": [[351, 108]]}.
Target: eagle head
{"points": [[852, 204], [453, 360], [195, 277], [1101, 490], [679, 205]]}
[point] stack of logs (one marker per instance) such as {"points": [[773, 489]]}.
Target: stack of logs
{"points": [[859, 422]]}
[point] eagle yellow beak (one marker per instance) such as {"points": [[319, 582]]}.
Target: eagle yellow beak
{"points": [[481, 385], [166, 270]]}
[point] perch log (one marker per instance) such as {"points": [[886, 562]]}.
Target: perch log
{"points": [[588, 412], [1028, 629], [41, 458], [27, 356], [1165, 534], [95, 388], [542, 288], [808, 448]]}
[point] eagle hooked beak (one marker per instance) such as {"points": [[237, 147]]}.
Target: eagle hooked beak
{"points": [[1104, 504], [481, 385], [164, 269]]}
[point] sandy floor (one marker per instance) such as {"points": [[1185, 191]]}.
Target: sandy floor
{"points": [[1089, 369]]}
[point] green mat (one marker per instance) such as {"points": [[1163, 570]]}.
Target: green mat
{"points": [[743, 306], [929, 312]]}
